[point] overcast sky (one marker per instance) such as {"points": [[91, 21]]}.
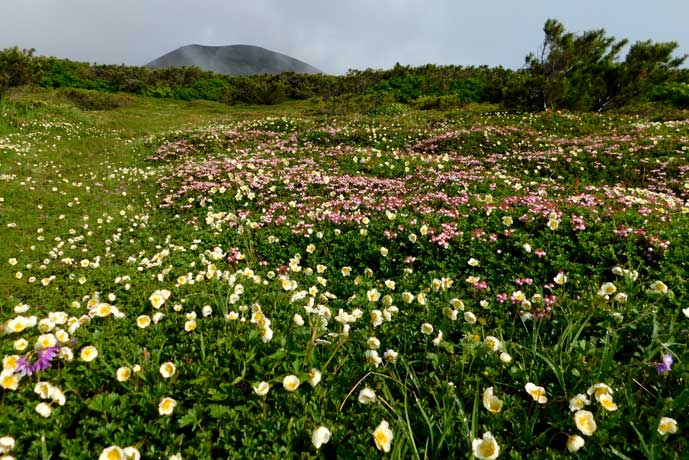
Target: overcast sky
{"points": [[333, 36]]}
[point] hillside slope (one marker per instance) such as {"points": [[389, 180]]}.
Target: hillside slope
{"points": [[232, 60]]}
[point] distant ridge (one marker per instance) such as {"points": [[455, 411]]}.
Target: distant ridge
{"points": [[232, 60]]}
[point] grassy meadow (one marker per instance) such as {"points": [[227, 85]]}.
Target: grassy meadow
{"points": [[190, 280]]}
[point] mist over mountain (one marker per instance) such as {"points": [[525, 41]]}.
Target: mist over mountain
{"points": [[232, 60]]}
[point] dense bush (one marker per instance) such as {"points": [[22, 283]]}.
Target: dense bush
{"points": [[584, 71], [17, 67], [571, 71], [675, 94], [438, 102], [94, 100]]}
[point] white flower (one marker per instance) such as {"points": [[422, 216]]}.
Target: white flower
{"points": [[560, 278], [112, 453], [266, 335], [43, 389], [21, 344], [66, 354], [575, 442], [159, 297], [314, 377], [373, 343], [486, 448], [262, 389], [427, 329], [606, 401], [143, 321], [123, 374], [9, 380], [298, 319], [89, 353], [439, 339], [585, 422], [390, 355], [290, 383], [493, 343], [377, 318], [578, 402], [505, 357], [660, 287], [470, 317], [667, 425], [44, 410], [373, 358], [6, 444], [132, 453], [620, 297], [57, 396], [536, 392], [166, 406], [320, 436], [383, 436], [607, 289], [491, 402], [167, 370], [373, 295], [367, 396], [598, 390]]}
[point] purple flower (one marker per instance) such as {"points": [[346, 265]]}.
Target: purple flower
{"points": [[45, 358], [44, 361], [24, 367], [665, 365]]}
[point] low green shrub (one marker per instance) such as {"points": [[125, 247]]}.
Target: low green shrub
{"points": [[94, 100], [674, 94]]}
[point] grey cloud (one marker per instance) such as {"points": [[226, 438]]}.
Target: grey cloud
{"points": [[331, 35]]}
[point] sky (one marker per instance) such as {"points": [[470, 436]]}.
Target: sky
{"points": [[333, 36]]}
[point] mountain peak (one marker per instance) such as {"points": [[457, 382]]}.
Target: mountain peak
{"points": [[232, 60]]}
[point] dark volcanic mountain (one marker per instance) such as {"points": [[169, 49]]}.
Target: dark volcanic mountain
{"points": [[232, 60]]}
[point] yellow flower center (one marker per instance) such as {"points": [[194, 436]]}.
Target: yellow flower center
{"points": [[585, 423], [486, 449], [665, 427], [11, 362], [381, 438], [8, 381], [114, 454]]}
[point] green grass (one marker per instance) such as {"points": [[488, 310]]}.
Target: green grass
{"points": [[273, 227]]}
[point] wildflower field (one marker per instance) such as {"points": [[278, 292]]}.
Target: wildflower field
{"points": [[195, 281]]}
